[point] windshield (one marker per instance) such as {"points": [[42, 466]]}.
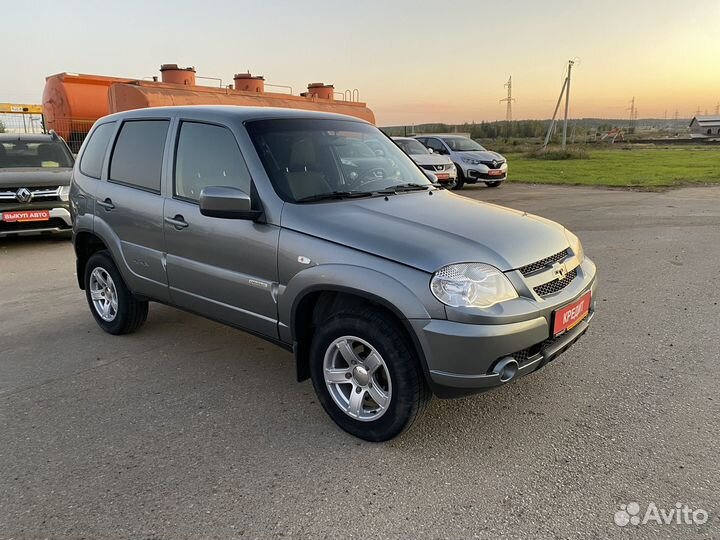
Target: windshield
{"points": [[462, 144], [412, 147], [308, 158], [21, 154]]}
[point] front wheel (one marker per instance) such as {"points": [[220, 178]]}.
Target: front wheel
{"points": [[460, 181], [367, 375], [493, 184], [112, 304]]}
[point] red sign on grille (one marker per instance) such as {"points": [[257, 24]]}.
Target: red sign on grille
{"points": [[25, 215]]}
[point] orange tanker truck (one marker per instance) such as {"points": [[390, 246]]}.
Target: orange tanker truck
{"points": [[72, 101]]}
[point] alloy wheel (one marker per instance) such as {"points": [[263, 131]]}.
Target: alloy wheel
{"points": [[103, 294], [357, 378]]}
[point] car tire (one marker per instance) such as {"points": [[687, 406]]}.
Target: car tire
{"points": [[449, 185], [493, 184], [460, 181], [112, 304], [385, 365]]}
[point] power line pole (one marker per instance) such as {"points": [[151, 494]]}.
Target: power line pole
{"points": [[697, 113], [564, 91], [509, 99], [717, 108], [551, 127], [567, 103]]}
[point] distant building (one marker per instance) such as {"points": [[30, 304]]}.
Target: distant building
{"points": [[705, 127]]}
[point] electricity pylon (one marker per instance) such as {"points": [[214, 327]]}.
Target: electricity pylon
{"points": [[508, 113], [509, 99]]}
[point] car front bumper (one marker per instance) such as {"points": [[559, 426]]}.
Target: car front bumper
{"points": [[60, 221], [460, 357], [473, 174]]}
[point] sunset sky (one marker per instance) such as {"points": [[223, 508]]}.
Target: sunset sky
{"points": [[413, 62]]}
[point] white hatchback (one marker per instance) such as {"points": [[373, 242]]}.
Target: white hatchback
{"points": [[441, 166], [474, 163]]}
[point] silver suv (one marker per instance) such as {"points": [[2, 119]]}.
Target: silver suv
{"points": [[386, 288]]}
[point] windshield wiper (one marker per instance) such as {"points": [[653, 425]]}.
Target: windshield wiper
{"points": [[335, 195], [406, 187]]}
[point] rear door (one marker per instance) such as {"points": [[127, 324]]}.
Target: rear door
{"points": [[225, 269], [129, 205]]}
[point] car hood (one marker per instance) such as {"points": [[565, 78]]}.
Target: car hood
{"points": [[34, 177], [430, 231], [430, 159], [480, 155]]}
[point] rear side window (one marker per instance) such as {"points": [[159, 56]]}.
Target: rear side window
{"points": [[94, 153], [137, 158], [208, 155]]}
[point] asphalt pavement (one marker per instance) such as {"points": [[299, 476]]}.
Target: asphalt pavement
{"points": [[189, 429]]}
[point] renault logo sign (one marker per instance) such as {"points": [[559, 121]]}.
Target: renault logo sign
{"points": [[23, 195]]}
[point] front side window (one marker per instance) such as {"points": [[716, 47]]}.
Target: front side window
{"points": [[309, 158], [138, 154], [208, 155], [92, 159], [436, 145], [412, 147], [463, 144], [19, 154]]}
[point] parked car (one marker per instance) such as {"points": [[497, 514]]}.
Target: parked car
{"points": [[35, 173], [473, 162], [441, 166], [385, 288]]}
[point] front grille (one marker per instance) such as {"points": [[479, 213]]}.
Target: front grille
{"points": [[556, 285], [491, 165], [49, 193], [542, 263], [434, 168]]}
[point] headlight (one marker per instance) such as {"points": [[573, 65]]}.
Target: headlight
{"points": [[471, 161], [64, 193], [471, 285], [575, 245]]}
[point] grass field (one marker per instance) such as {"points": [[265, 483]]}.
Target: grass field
{"points": [[646, 167]]}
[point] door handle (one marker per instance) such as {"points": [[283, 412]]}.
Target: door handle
{"points": [[107, 204], [178, 222]]}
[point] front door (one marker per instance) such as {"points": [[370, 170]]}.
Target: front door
{"points": [[225, 269]]}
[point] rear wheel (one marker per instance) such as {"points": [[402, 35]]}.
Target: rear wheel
{"points": [[460, 182], [112, 304], [493, 184], [367, 375]]}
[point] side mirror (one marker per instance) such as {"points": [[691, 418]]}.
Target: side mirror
{"points": [[431, 176], [227, 202], [431, 150]]}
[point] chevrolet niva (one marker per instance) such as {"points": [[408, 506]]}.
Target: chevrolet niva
{"points": [[386, 287]]}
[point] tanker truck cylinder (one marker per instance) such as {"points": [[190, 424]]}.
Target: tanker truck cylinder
{"points": [[172, 73]]}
